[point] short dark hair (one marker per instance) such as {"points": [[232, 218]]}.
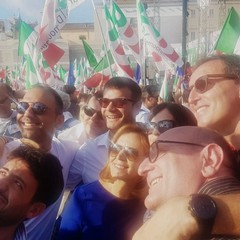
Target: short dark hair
{"points": [[46, 169], [150, 91], [9, 90], [231, 61], [124, 82], [182, 115], [51, 91]]}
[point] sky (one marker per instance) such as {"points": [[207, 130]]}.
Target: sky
{"points": [[30, 10]]}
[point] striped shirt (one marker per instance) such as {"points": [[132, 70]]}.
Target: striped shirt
{"points": [[218, 186]]}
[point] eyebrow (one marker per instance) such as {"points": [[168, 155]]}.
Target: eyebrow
{"points": [[15, 176]]}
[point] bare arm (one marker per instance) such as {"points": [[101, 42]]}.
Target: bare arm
{"points": [[173, 220]]}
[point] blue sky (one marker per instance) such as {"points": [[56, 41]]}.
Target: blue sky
{"points": [[30, 10]]}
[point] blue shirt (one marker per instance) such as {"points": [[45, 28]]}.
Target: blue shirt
{"points": [[93, 213]]}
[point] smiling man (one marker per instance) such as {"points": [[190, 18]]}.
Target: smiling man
{"points": [[215, 95], [30, 181], [181, 164], [120, 104]]}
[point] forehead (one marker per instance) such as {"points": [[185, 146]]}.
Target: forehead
{"points": [[210, 67], [38, 95], [117, 93], [129, 140], [162, 115]]}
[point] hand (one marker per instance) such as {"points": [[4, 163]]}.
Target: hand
{"points": [[172, 221]]}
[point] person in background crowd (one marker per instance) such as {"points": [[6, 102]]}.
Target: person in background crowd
{"points": [[168, 115], [150, 97], [69, 120], [8, 121], [112, 207], [188, 160], [73, 108], [30, 181], [214, 99], [91, 125]]}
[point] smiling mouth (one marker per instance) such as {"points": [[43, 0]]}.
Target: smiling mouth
{"points": [[155, 181], [32, 125], [119, 166]]}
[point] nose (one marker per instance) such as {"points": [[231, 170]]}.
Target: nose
{"points": [[4, 183], [29, 111], [110, 106], [121, 155], [144, 167]]}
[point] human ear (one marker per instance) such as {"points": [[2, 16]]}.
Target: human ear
{"points": [[35, 209], [212, 156]]}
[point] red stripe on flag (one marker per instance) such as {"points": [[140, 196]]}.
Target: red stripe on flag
{"points": [[119, 50], [53, 54], [129, 32]]}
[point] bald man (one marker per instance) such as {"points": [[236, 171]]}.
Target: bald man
{"points": [[188, 160]]}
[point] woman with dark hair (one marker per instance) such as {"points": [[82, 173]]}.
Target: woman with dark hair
{"points": [[113, 207], [168, 115]]}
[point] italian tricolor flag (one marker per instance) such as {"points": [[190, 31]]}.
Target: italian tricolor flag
{"points": [[229, 38]]}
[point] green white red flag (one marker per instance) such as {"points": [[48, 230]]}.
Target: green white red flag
{"points": [[126, 32], [55, 15], [229, 38], [155, 43], [116, 47]]}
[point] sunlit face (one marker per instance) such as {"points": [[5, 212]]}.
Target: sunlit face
{"points": [[123, 166], [163, 115], [218, 107], [94, 125], [39, 127], [176, 172], [17, 188], [117, 117]]}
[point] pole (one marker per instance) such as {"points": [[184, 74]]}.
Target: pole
{"points": [[184, 29]]}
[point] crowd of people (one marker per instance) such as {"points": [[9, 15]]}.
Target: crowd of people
{"points": [[121, 163]]}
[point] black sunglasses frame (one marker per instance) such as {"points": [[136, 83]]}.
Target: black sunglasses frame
{"points": [[38, 108], [128, 152], [153, 158], [116, 102], [90, 111]]}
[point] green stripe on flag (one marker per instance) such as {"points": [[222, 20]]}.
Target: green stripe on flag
{"points": [[230, 33]]}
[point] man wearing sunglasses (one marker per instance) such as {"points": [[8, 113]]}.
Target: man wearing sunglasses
{"points": [[214, 99], [8, 121], [40, 113], [181, 164], [120, 104]]}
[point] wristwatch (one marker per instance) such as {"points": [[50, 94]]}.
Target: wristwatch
{"points": [[204, 210]]}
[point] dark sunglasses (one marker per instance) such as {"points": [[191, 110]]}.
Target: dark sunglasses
{"points": [[130, 153], [37, 107], [154, 148], [90, 112], [201, 85], [161, 126], [116, 102], [4, 100]]}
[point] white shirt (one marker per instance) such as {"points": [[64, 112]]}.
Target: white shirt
{"points": [[76, 134], [143, 115], [90, 159]]}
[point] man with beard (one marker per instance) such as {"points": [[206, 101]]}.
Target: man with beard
{"points": [[30, 181]]}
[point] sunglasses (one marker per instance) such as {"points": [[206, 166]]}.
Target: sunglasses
{"points": [[130, 153], [161, 126], [155, 149], [116, 102], [90, 112], [4, 100], [37, 107], [201, 85]]}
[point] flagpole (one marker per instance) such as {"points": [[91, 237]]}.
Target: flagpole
{"points": [[104, 41]]}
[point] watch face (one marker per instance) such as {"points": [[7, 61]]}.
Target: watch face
{"points": [[203, 206]]}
